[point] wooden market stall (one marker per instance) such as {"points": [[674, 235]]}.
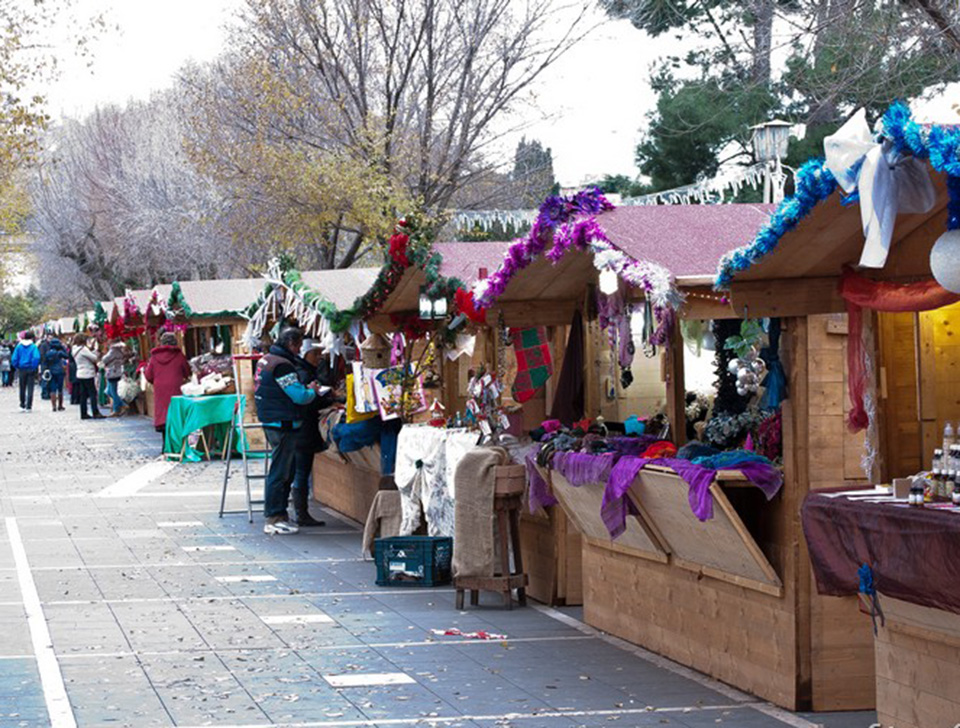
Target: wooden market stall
{"points": [[798, 271]]}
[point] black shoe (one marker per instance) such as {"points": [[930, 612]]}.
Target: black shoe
{"points": [[305, 520], [301, 506]]}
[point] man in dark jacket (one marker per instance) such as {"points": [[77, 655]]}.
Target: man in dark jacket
{"points": [[55, 361], [279, 396]]}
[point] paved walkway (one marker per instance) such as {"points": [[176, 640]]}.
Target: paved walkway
{"points": [[125, 601]]}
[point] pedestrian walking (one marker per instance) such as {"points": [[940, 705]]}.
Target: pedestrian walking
{"points": [[280, 397], [6, 368], [167, 370], [55, 362], [72, 377], [85, 355], [112, 364], [26, 360]]}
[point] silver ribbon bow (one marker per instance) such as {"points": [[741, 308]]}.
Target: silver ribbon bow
{"points": [[889, 183]]}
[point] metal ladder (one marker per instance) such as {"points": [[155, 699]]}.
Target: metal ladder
{"points": [[245, 451]]}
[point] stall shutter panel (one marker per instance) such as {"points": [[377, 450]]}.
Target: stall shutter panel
{"points": [[720, 547], [582, 506]]}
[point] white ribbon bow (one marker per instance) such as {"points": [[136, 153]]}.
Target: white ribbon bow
{"points": [[889, 183]]}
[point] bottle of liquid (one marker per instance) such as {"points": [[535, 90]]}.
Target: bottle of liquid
{"points": [[916, 494], [949, 437], [938, 471]]}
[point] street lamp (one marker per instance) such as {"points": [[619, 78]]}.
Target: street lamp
{"points": [[770, 141]]}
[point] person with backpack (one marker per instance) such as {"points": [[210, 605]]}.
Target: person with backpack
{"points": [[55, 362], [26, 360], [112, 364]]}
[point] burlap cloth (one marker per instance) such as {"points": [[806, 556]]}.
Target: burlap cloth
{"points": [[474, 552], [383, 519]]}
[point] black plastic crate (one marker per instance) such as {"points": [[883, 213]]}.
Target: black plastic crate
{"points": [[413, 560]]}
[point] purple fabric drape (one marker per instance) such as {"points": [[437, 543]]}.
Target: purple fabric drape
{"points": [[580, 468], [623, 445], [538, 494], [698, 478]]}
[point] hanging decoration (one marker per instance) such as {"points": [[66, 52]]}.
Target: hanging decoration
{"points": [[815, 182], [711, 191], [748, 367], [570, 223], [945, 256]]}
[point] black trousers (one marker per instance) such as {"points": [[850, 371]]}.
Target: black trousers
{"points": [[27, 381], [88, 393]]}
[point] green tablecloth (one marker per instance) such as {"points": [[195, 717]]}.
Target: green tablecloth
{"points": [[189, 414]]}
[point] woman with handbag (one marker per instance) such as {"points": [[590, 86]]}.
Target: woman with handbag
{"points": [[85, 355]]}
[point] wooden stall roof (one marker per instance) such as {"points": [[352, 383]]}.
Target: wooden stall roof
{"points": [[342, 286], [800, 275], [221, 295]]}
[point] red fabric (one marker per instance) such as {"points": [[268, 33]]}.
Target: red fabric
{"points": [[167, 370], [860, 292], [660, 449]]}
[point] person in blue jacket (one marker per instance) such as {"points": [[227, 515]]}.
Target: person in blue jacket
{"points": [[280, 397], [26, 360], [56, 360]]}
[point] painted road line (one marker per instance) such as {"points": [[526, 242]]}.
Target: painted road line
{"points": [[178, 524], [51, 679], [276, 619], [502, 718], [243, 579], [140, 478], [184, 564], [193, 549], [368, 680]]}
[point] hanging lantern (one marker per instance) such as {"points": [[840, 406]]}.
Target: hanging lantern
{"points": [[609, 283], [945, 260]]}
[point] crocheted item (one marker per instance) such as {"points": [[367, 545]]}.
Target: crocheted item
{"points": [[534, 364]]}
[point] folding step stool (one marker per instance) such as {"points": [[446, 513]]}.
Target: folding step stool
{"points": [[245, 451]]}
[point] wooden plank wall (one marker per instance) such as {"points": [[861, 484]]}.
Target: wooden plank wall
{"points": [[939, 375], [347, 488], [552, 557], [918, 667], [841, 639]]}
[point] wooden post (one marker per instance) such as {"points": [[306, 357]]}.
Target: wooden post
{"points": [[676, 390]]}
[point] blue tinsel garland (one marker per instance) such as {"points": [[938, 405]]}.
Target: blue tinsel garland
{"points": [[814, 183]]}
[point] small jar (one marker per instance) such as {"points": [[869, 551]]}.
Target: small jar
{"points": [[916, 496], [955, 496]]}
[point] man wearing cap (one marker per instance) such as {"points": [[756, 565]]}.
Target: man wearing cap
{"points": [[280, 396]]}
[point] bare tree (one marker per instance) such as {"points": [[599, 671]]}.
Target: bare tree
{"points": [[411, 92], [117, 204]]}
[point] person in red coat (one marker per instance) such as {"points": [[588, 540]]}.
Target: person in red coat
{"points": [[167, 370]]}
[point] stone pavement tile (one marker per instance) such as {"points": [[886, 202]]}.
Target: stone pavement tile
{"points": [[66, 584], [84, 628], [21, 695], [52, 552], [187, 582], [737, 718], [15, 640], [105, 551], [111, 690], [157, 626], [127, 582], [412, 700], [230, 624], [853, 719], [41, 529], [199, 689]]}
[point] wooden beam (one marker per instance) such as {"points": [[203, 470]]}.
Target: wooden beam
{"points": [[787, 297], [676, 389]]}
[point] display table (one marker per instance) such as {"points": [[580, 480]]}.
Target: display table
{"points": [[912, 555], [189, 414]]}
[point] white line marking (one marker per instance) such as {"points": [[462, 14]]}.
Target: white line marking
{"points": [[233, 597], [297, 619], [285, 650], [51, 679], [139, 478], [178, 524], [178, 564], [669, 665], [191, 549], [243, 579], [502, 719], [369, 680]]}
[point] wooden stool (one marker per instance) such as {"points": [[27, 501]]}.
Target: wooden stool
{"points": [[507, 502]]}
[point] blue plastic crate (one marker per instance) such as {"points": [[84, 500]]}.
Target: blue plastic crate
{"points": [[413, 560]]}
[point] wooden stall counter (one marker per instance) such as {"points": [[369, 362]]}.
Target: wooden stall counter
{"points": [[910, 553], [725, 596]]}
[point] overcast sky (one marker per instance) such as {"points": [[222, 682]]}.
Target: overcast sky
{"points": [[590, 105]]}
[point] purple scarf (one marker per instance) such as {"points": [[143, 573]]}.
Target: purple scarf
{"points": [[538, 494], [616, 505]]}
